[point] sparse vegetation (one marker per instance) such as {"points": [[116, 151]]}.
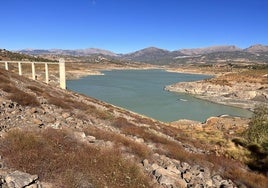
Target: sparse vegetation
{"points": [[57, 157], [257, 139]]}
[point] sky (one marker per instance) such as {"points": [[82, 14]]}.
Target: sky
{"points": [[124, 26]]}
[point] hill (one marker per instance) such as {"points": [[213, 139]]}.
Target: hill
{"points": [[70, 140], [78, 52], [13, 56], [157, 56], [258, 48], [209, 55], [212, 49]]}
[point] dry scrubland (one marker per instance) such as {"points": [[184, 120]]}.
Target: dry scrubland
{"points": [[70, 140]]}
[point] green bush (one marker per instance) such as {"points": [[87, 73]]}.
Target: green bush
{"points": [[258, 127], [257, 137]]}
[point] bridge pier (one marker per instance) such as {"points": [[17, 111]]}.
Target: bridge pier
{"points": [[20, 71], [6, 65], [33, 71], [61, 64], [62, 73], [46, 70]]}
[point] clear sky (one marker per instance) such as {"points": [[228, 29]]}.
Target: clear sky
{"points": [[124, 26]]}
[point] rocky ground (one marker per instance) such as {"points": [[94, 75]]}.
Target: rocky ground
{"points": [[160, 151], [244, 90]]}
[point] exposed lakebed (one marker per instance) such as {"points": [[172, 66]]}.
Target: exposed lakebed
{"points": [[142, 91]]}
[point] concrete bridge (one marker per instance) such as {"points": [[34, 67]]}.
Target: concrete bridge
{"points": [[61, 63]]}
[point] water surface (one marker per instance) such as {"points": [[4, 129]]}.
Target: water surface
{"points": [[142, 91]]}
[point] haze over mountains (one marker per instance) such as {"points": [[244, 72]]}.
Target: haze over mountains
{"points": [[157, 56]]}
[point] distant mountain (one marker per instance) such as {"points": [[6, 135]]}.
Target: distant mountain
{"points": [[152, 54], [199, 51], [258, 48], [78, 52]]}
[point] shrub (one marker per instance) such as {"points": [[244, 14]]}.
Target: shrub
{"points": [[24, 99], [258, 126], [257, 137], [138, 149], [58, 158]]}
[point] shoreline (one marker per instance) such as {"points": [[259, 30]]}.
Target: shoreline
{"points": [[238, 96], [206, 98]]}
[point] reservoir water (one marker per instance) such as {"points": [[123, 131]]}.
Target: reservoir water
{"points": [[142, 91]]}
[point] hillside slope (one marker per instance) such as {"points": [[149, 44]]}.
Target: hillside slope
{"points": [[69, 140]]}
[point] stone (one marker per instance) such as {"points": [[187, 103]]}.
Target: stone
{"points": [[79, 136], [216, 180], [173, 168], [187, 176], [145, 163], [155, 166], [91, 139], [48, 118], [19, 179], [65, 115], [36, 121], [185, 166], [1, 165], [168, 178], [33, 110]]}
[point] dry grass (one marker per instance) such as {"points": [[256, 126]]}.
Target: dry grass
{"points": [[56, 157], [251, 76], [35, 89], [226, 167], [16, 94], [139, 149], [24, 99]]}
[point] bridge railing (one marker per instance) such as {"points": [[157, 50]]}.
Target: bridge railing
{"points": [[61, 63]]}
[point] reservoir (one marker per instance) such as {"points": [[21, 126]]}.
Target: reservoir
{"points": [[142, 91]]}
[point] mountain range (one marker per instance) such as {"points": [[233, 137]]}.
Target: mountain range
{"points": [[155, 55]]}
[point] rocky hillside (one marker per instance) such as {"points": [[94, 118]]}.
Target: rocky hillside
{"points": [[258, 48], [11, 56], [56, 138], [245, 90], [200, 51]]}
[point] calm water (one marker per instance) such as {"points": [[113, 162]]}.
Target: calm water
{"points": [[142, 91]]}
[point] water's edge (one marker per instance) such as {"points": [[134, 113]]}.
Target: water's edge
{"points": [[142, 91]]}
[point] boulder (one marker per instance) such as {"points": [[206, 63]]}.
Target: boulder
{"points": [[19, 179]]}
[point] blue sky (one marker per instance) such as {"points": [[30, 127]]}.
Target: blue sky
{"points": [[125, 26]]}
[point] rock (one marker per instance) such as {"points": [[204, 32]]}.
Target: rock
{"points": [[216, 180], [140, 140], [187, 176], [184, 166], [19, 179], [173, 168], [172, 182], [168, 178], [1, 165], [48, 118], [36, 121], [33, 110], [145, 163], [65, 115], [91, 139], [55, 125]]}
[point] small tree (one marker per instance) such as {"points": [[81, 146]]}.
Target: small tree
{"points": [[258, 127], [257, 137]]}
